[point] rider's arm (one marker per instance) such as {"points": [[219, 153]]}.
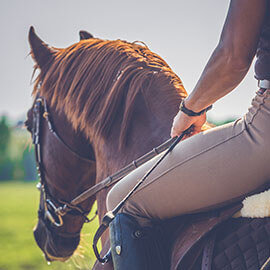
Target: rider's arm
{"points": [[231, 59], [229, 62]]}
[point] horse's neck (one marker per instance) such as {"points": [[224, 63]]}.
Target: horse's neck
{"points": [[114, 160], [142, 138]]}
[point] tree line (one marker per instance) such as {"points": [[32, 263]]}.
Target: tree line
{"points": [[16, 153]]}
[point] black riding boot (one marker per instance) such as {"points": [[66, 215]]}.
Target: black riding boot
{"points": [[136, 248]]}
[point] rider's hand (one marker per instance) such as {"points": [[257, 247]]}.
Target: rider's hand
{"points": [[182, 122]]}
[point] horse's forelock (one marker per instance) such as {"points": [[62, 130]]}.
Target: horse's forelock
{"points": [[89, 81]]}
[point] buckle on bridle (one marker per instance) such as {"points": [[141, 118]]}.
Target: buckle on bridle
{"points": [[49, 216]]}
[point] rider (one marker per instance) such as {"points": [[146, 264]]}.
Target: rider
{"points": [[214, 167]]}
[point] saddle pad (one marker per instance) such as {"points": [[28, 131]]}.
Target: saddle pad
{"points": [[242, 244]]}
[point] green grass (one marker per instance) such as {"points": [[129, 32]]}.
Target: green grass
{"points": [[18, 215]]}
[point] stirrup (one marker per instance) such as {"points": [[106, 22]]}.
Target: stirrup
{"points": [[136, 248]]}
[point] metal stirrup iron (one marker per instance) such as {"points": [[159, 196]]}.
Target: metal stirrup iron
{"points": [[109, 216]]}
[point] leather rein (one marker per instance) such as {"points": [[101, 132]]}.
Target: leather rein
{"points": [[55, 209]]}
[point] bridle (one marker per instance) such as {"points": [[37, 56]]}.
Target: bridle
{"points": [[54, 209]]}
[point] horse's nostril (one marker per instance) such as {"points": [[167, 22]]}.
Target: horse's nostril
{"points": [[51, 255], [54, 247], [41, 238], [58, 251]]}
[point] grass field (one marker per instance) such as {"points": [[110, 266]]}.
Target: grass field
{"points": [[18, 216]]}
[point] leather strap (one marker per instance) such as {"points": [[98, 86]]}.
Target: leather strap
{"points": [[198, 229], [107, 182], [109, 216], [208, 252]]}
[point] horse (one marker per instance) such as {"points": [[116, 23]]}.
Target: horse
{"points": [[99, 105]]}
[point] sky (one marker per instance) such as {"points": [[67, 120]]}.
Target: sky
{"points": [[183, 32]]}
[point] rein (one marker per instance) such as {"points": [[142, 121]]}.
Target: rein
{"points": [[109, 216], [55, 209], [114, 178]]}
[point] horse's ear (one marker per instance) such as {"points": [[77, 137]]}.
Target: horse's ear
{"points": [[85, 35], [40, 51]]}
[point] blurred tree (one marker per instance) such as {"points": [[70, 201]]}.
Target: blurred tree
{"points": [[4, 135], [29, 165], [6, 166], [6, 169], [17, 161]]}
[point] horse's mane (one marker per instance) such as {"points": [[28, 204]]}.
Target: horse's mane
{"points": [[89, 81]]}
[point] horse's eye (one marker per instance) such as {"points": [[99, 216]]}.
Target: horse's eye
{"points": [[27, 125], [28, 122]]}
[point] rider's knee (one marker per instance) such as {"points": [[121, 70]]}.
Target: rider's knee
{"points": [[112, 199]]}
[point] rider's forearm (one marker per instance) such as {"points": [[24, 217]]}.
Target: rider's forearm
{"points": [[221, 75], [232, 58]]}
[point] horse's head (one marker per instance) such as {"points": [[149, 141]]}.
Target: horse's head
{"points": [[66, 163]]}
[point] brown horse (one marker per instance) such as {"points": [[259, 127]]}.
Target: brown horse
{"points": [[110, 102]]}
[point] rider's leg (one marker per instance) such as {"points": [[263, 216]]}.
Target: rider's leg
{"points": [[204, 171]]}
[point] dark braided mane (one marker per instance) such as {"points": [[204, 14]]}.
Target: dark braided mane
{"points": [[96, 82]]}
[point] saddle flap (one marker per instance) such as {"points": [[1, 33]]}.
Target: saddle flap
{"points": [[191, 236]]}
